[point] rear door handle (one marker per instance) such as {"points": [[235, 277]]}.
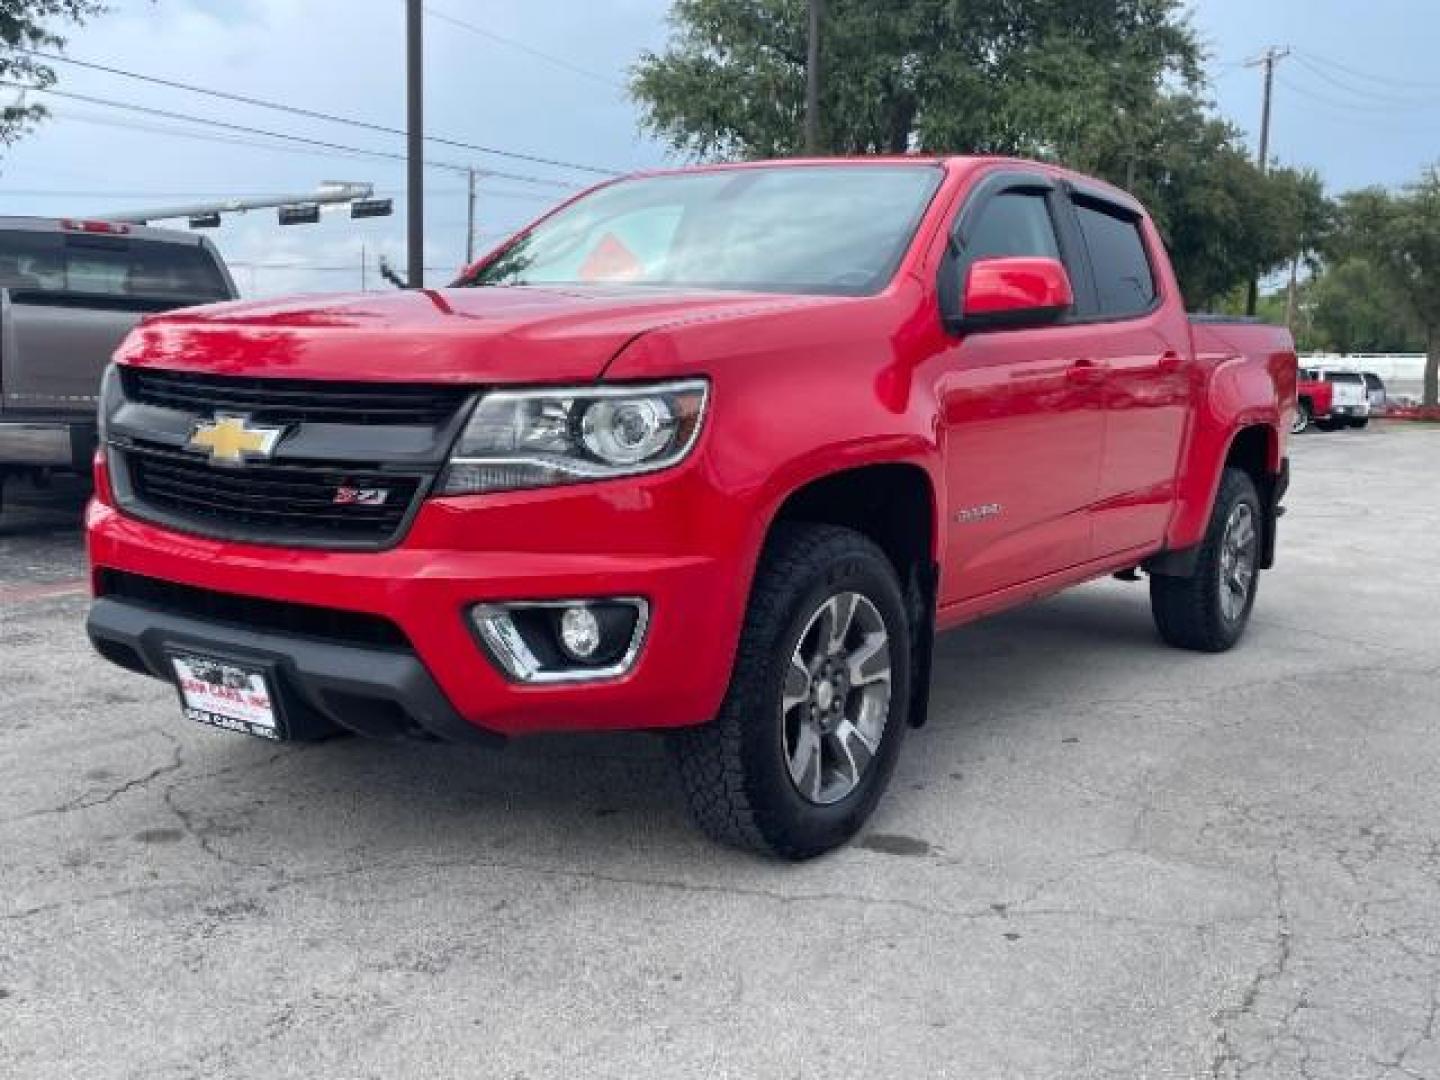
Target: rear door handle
{"points": [[1084, 370], [1169, 363]]}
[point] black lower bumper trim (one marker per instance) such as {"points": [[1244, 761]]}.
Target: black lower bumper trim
{"points": [[323, 686]]}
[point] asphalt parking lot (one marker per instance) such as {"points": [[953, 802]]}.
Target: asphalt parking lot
{"points": [[1101, 858]]}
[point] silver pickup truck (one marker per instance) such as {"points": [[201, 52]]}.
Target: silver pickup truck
{"points": [[69, 292]]}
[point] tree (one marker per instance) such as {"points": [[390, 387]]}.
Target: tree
{"points": [[29, 24], [1400, 236], [1110, 87], [1355, 308], [987, 75]]}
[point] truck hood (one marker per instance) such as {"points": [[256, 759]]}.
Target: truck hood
{"points": [[489, 335]]}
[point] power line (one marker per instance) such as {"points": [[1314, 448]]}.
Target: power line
{"points": [[1353, 106], [203, 136], [300, 139], [558, 61], [314, 114], [1417, 84], [1378, 98], [1333, 111]]}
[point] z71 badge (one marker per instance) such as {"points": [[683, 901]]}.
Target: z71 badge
{"points": [[353, 496]]}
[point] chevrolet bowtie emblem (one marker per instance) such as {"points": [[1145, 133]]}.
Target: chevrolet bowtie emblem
{"points": [[230, 440]]}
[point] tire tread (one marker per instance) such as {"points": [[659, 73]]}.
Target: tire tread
{"points": [[711, 758], [1187, 609]]}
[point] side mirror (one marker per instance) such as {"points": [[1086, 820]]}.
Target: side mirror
{"points": [[1014, 291]]}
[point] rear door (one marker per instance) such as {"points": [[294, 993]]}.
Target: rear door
{"points": [[1022, 412], [70, 297], [1140, 337]]}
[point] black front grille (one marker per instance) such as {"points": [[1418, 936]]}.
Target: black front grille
{"points": [[295, 401], [323, 505], [349, 627]]}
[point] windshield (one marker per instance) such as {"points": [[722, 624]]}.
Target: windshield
{"points": [[804, 229], [108, 266]]}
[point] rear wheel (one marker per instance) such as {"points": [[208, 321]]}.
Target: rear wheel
{"points": [[1360, 422], [1208, 611], [809, 731], [1329, 425]]}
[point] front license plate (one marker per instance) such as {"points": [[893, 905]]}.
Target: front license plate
{"points": [[226, 695]]}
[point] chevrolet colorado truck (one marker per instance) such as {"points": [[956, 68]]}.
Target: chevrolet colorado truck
{"points": [[713, 452], [70, 291]]}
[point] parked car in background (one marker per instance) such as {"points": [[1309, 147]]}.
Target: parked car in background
{"points": [[69, 293], [712, 452], [1375, 391], [1331, 399], [1313, 399]]}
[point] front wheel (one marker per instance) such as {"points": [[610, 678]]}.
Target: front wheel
{"points": [[1302, 417], [1208, 611], [811, 726]]}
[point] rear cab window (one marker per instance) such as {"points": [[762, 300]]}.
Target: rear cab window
{"points": [[113, 268]]}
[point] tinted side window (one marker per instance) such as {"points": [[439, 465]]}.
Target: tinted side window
{"points": [[1123, 278], [1013, 223]]}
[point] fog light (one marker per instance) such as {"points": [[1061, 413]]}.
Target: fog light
{"points": [[579, 632], [540, 641]]}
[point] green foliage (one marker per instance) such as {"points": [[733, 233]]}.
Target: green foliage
{"points": [[1353, 307], [29, 24], [1399, 235], [988, 76], [1110, 87]]}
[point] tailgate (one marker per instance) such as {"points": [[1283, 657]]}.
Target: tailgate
{"points": [[53, 354], [1350, 394]]}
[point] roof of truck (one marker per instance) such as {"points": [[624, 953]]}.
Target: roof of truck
{"points": [[97, 226]]}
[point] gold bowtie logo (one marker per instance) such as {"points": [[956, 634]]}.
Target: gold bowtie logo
{"points": [[230, 440]]}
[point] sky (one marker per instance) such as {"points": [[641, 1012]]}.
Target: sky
{"points": [[1358, 98]]}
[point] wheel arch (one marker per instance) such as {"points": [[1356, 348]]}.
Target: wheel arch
{"points": [[1257, 449], [894, 504]]}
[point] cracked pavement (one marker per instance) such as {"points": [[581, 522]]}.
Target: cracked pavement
{"points": [[1102, 858]]}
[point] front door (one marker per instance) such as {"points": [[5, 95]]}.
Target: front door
{"points": [[1023, 415]]}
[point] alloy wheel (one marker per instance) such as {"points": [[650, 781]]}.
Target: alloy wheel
{"points": [[836, 698], [1239, 549]]}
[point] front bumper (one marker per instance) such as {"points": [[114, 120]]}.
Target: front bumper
{"points": [[427, 586], [323, 686]]}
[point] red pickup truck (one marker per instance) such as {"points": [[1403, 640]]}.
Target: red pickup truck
{"points": [[713, 451]]}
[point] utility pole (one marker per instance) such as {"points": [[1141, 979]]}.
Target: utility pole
{"points": [[812, 80], [470, 220], [1268, 59], [415, 140]]}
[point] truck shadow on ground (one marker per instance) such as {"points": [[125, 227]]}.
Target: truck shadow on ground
{"points": [[55, 510], [561, 795]]}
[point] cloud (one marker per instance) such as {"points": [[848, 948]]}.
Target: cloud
{"points": [[344, 57]]}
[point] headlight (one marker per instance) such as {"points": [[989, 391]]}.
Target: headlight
{"points": [[534, 438]]}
